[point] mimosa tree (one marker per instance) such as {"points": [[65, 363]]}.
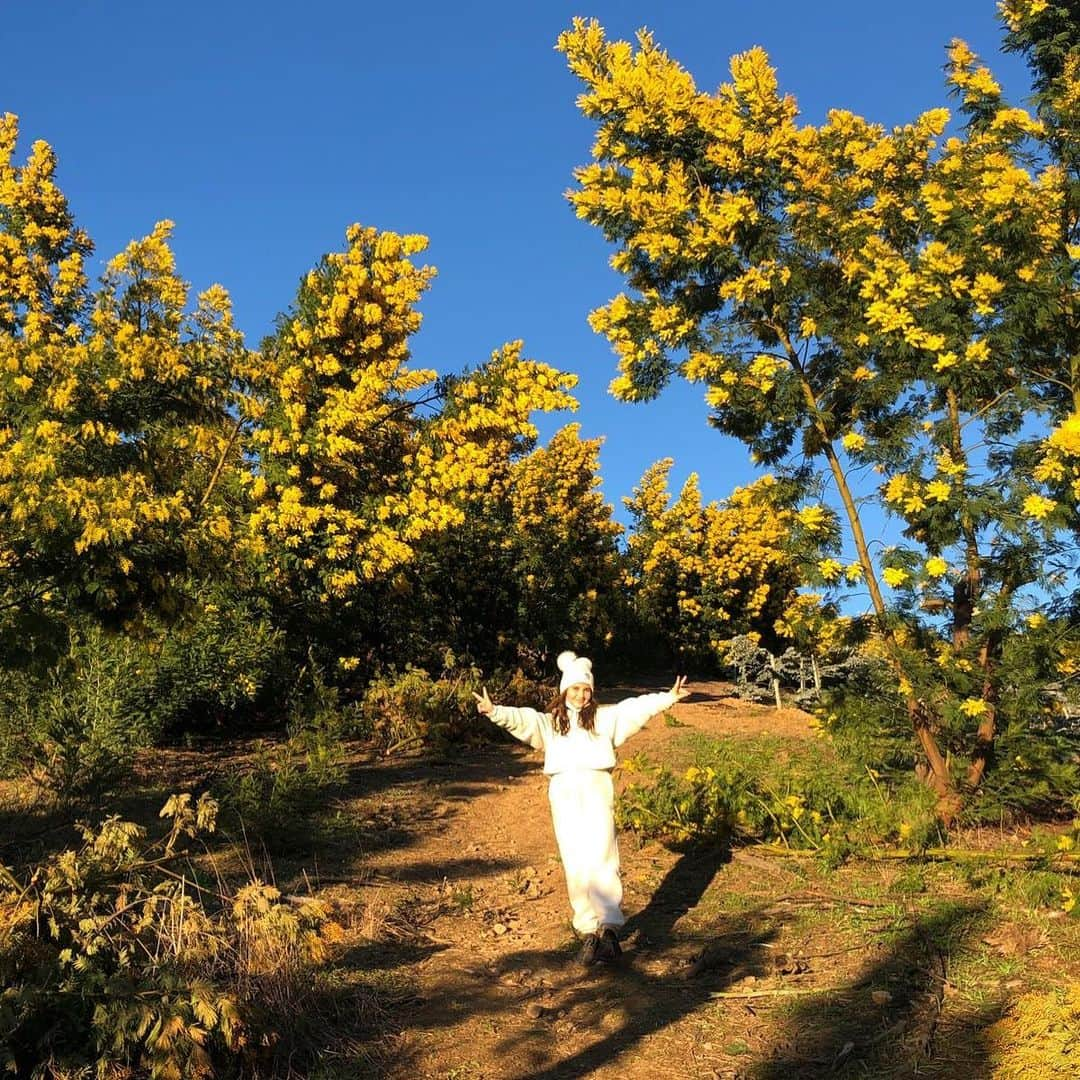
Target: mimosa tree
{"points": [[850, 297], [119, 414], [702, 574]]}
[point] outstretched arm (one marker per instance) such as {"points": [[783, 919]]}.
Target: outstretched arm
{"points": [[523, 724], [632, 714]]}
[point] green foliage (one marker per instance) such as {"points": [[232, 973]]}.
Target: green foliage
{"points": [[413, 709], [114, 956], [1036, 765], [286, 782], [75, 725], [1036, 770], [220, 668], [70, 726], [463, 898], [867, 722], [803, 796]]}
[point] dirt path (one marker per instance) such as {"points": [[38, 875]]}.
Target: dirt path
{"points": [[458, 961], [736, 967], [477, 902]]}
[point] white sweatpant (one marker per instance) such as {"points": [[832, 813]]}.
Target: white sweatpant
{"points": [[583, 812]]}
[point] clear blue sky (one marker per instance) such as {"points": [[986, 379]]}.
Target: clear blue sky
{"points": [[264, 129]]}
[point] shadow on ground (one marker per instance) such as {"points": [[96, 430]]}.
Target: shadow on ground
{"points": [[887, 1021], [884, 1020], [332, 831], [623, 1004]]}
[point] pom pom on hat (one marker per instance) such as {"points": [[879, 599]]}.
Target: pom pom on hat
{"points": [[576, 671]]}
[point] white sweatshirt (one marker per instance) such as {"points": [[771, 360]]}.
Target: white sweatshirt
{"points": [[578, 748]]}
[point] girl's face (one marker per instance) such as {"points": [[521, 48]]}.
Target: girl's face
{"points": [[578, 696]]}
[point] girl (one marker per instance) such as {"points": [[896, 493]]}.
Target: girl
{"points": [[579, 739]]}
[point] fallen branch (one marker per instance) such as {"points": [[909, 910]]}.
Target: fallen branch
{"points": [[1064, 862], [826, 898], [967, 855], [844, 988], [401, 744]]}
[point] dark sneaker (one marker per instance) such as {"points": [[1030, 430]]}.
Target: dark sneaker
{"points": [[610, 949], [590, 950]]}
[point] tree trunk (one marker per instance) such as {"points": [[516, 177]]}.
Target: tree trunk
{"points": [[938, 775], [949, 801], [984, 737]]}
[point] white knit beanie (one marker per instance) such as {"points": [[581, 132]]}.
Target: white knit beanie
{"points": [[576, 671]]}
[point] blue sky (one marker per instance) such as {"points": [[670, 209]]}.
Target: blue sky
{"points": [[263, 130]]}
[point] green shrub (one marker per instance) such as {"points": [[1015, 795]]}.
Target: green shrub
{"points": [[114, 957], [801, 795], [287, 782], [76, 725], [314, 705], [1034, 770], [413, 709], [223, 667], [71, 727]]}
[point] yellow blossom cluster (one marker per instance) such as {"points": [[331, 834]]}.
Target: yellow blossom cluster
{"points": [[1016, 12], [1059, 466], [121, 408], [895, 576], [830, 569], [1038, 506], [561, 530], [42, 253], [557, 487], [640, 93], [707, 572], [816, 518], [354, 472], [968, 75], [468, 448], [911, 495], [135, 429], [814, 625], [847, 189]]}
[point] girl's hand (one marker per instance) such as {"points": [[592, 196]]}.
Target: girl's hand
{"points": [[679, 689], [483, 704]]}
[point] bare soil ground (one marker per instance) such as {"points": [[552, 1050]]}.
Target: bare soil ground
{"points": [[733, 966], [444, 872]]}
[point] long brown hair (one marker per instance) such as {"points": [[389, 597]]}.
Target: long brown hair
{"points": [[558, 710]]}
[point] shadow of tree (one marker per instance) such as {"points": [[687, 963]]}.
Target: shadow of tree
{"points": [[637, 1003], [331, 829], [625, 1002], [431, 872], [886, 1022], [387, 956], [463, 768]]}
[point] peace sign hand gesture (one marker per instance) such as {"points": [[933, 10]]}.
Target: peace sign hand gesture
{"points": [[484, 705], [679, 689]]}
